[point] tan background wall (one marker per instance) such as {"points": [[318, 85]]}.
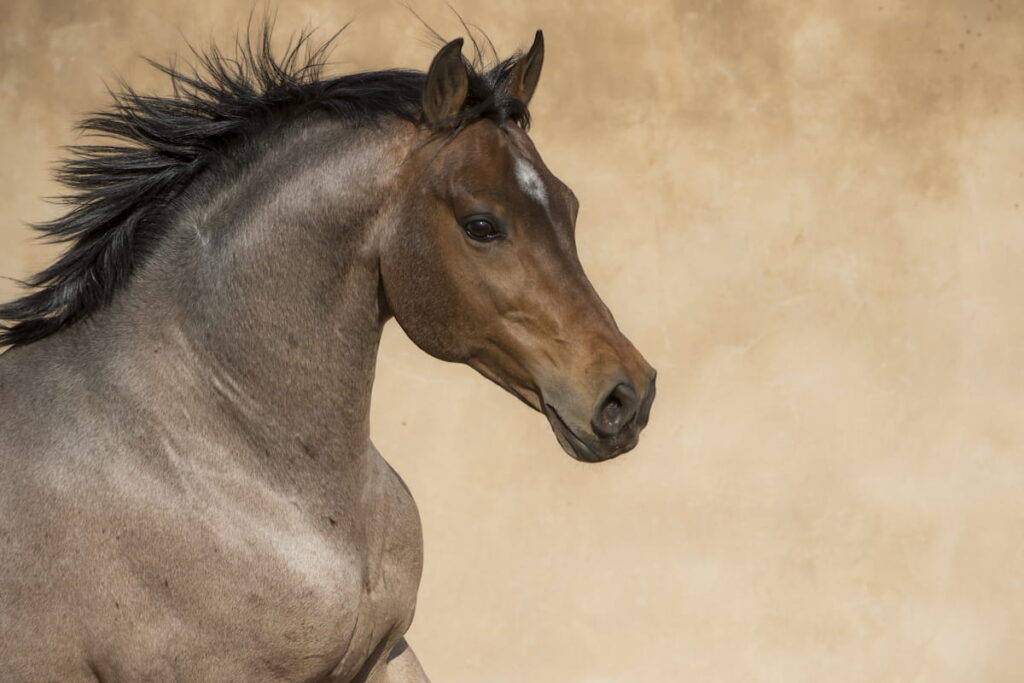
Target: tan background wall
{"points": [[807, 215]]}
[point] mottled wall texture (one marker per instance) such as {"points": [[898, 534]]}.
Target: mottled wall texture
{"points": [[808, 216]]}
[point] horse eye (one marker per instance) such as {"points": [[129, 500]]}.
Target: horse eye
{"points": [[481, 230]]}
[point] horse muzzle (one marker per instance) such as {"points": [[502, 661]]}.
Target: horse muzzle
{"points": [[615, 423]]}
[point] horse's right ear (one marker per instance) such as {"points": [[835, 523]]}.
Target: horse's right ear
{"points": [[447, 84]]}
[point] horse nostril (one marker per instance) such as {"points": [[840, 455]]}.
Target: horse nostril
{"points": [[611, 413], [615, 410]]}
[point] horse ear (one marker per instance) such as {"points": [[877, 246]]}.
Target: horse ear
{"points": [[527, 73], [447, 84]]}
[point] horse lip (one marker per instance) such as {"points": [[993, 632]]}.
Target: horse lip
{"points": [[572, 444]]}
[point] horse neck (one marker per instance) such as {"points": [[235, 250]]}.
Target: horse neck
{"points": [[267, 293]]}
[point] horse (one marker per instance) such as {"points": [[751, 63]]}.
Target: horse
{"points": [[188, 489]]}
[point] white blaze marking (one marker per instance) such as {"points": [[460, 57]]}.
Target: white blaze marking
{"points": [[531, 181]]}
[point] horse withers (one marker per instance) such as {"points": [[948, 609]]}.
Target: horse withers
{"points": [[188, 490]]}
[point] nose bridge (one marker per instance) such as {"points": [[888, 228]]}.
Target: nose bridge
{"points": [[580, 342], [598, 332], [595, 354], [580, 310]]}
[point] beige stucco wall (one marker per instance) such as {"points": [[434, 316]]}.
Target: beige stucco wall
{"points": [[808, 216]]}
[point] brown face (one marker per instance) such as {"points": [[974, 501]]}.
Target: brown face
{"points": [[483, 270]]}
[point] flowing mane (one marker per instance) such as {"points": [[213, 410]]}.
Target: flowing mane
{"points": [[119, 191]]}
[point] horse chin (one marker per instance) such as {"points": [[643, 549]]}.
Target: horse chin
{"points": [[580, 447]]}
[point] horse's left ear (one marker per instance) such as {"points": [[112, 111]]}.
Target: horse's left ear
{"points": [[527, 71], [447, 84]]}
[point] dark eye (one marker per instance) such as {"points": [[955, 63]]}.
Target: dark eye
{"points": [[482, 230]]}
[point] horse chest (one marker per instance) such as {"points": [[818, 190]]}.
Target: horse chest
{"points": [[290, 590], [339, 589]]}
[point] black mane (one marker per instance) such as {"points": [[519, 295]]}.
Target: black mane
{"points": [[160, 144]]}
